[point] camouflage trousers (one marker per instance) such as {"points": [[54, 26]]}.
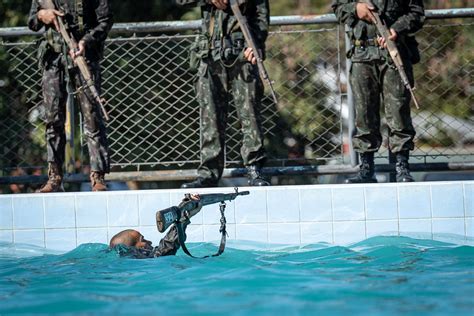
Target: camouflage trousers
{"points": [[375, 83], [213, 88], [54, 84]]}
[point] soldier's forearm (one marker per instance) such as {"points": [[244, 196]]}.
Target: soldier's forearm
{"points": [[105, 21], [260, 24], [409, 23], [34, 23], [99, 33], [346, 13]]}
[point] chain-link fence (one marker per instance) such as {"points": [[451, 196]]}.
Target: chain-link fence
{"points": [[155, 117]]}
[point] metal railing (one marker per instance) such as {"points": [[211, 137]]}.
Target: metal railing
{"points": [[154, 130]]}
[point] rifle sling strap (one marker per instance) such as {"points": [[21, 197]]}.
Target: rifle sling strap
{"points": [[222, 230]]}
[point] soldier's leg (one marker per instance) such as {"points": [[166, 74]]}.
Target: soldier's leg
{"points": [[364, 79], [212, 94], [247, 90], [366, 89], [397, 108], [54, 101], [94, 131]]}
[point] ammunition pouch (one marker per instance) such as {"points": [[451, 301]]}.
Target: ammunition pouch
{"points": [[198, 50], [232, 46], [51, 43]]}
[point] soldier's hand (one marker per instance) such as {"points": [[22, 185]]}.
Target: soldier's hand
{"points": [[364, 11], [194, 211], [220, 4], [48, 17], [80, 51], [393, 37], [248, 54], [195, 196]]}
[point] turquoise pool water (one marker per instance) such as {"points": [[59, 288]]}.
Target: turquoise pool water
{"points": [[381, 275]]}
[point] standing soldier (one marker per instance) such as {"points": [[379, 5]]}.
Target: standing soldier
{"points": [[373, 77], [225, 63], [89, 22]]}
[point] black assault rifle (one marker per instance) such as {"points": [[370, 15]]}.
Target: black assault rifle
{"points": [[79, 60], [392, 50], [242, 20], [180, 214], [189, 208]]}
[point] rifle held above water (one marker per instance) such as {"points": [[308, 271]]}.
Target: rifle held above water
{"points": [[190, 207]]}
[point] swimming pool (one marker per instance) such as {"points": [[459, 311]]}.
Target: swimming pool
{"points": [[380, 275]]}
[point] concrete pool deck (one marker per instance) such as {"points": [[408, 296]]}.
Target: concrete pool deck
{"points": [[296, 215]]}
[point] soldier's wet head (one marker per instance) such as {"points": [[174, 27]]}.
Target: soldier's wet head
{"points": [[130, 238]]}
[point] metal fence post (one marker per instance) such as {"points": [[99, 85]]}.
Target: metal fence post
{"points": [[350, 103], [69, 129]]}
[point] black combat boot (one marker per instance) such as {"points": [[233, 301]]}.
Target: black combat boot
{"points": [[366, 170], [402, 167], [254, 175], [200, 182]]}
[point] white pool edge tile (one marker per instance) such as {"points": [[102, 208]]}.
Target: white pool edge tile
{"points": [[251, 217]]}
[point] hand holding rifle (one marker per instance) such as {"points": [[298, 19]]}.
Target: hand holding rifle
{"points": [[252, 54], [367, 11], [220, 4], [190, 206], [49, 15]]}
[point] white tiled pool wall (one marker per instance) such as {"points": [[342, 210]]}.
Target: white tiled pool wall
{"points": [[339, 214]]}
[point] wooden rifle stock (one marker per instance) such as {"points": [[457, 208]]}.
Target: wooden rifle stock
{"points": [[80, 61]]}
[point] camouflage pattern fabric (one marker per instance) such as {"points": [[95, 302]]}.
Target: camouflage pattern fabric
{"points": [[169, 244], [218, 24], [97, 22], [224, 73], [54, 100], [373, 78], [58, 70], [213, 93], [368, 81]]}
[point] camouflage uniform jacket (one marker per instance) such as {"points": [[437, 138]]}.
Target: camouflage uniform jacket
{"points": [[218, 26], [96, 18], [404, 16]]}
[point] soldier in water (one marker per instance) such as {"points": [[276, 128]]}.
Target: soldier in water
{"points": [[132, 243]]}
